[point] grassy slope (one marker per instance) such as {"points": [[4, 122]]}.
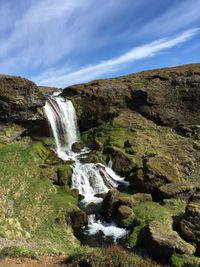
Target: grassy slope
{"points": [[30, 204]]}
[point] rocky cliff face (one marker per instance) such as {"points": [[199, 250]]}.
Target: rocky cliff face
{"points": [[167, 96], [19, 99]]}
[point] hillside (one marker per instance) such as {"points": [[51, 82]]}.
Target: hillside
{"points": [[148, 124]]}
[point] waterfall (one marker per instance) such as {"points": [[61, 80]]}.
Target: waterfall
{"points": [[90, 179], [62, 119]]}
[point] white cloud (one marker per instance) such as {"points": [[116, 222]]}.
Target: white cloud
{"points": [[109, 66]]}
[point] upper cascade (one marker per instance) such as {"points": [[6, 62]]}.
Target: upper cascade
{"points": [[62, 118]]}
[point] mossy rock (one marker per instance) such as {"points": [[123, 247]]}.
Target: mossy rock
{"points": [[64, 174], [110, 205], [178, 260], [10, 132], [153, 229], [135, 199], [92, 157], [190, 224], [157, 171], [122, 163], [182, 190], [125, 216]]}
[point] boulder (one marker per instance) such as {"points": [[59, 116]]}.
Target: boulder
{"points": [[190, 224], [19, 99], [121, 163], [134, 200], [78, 218], [77, 147], [109, 204], [161, 241], [182, 190], [125, 216], [157, 171], [10, 132]]}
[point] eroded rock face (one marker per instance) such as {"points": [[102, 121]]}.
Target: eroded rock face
{"points": [[19, 99], [176, 89]]}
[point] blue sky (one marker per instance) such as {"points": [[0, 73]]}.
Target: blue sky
{"points": [[62, 42]]}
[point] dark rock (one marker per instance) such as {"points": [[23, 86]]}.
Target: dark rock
{"points": [[121, 163], [78, 219], [190, 224], [176, 89], [19, 99], [109, 205], [77, 147]]}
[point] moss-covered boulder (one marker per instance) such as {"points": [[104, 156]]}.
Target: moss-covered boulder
{"points": [[125, 216], [159, 236], [182, 190], [64, 174], [153, 229], [134, 200], [92, 157], [157, 171], [10, 132], [190, 224], [121, 163], [180, 260]]}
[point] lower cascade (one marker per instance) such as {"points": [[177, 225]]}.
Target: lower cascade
{"points": [[91, 179]]}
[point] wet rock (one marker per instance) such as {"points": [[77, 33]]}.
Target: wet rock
{"points": [[91, 157], [78, 219], [121, 163], [109, 205], [77, 147]]}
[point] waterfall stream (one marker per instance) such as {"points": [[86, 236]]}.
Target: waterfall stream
{"points": [[89, 178]]}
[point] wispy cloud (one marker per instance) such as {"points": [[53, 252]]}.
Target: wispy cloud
{"points": [[111, 65]]}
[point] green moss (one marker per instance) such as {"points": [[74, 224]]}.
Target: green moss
{"points": [[151, 212], [184, 261], [64, 174]]}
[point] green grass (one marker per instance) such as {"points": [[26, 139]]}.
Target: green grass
{"points": [[30, 204]]}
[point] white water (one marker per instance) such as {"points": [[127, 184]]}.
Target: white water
{"points": [[90, 178]]}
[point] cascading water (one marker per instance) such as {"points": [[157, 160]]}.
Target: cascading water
{"points": [[89, 178]]}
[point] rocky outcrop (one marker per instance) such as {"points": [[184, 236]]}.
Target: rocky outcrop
{"points": [[166, 96], [19, 99]]}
